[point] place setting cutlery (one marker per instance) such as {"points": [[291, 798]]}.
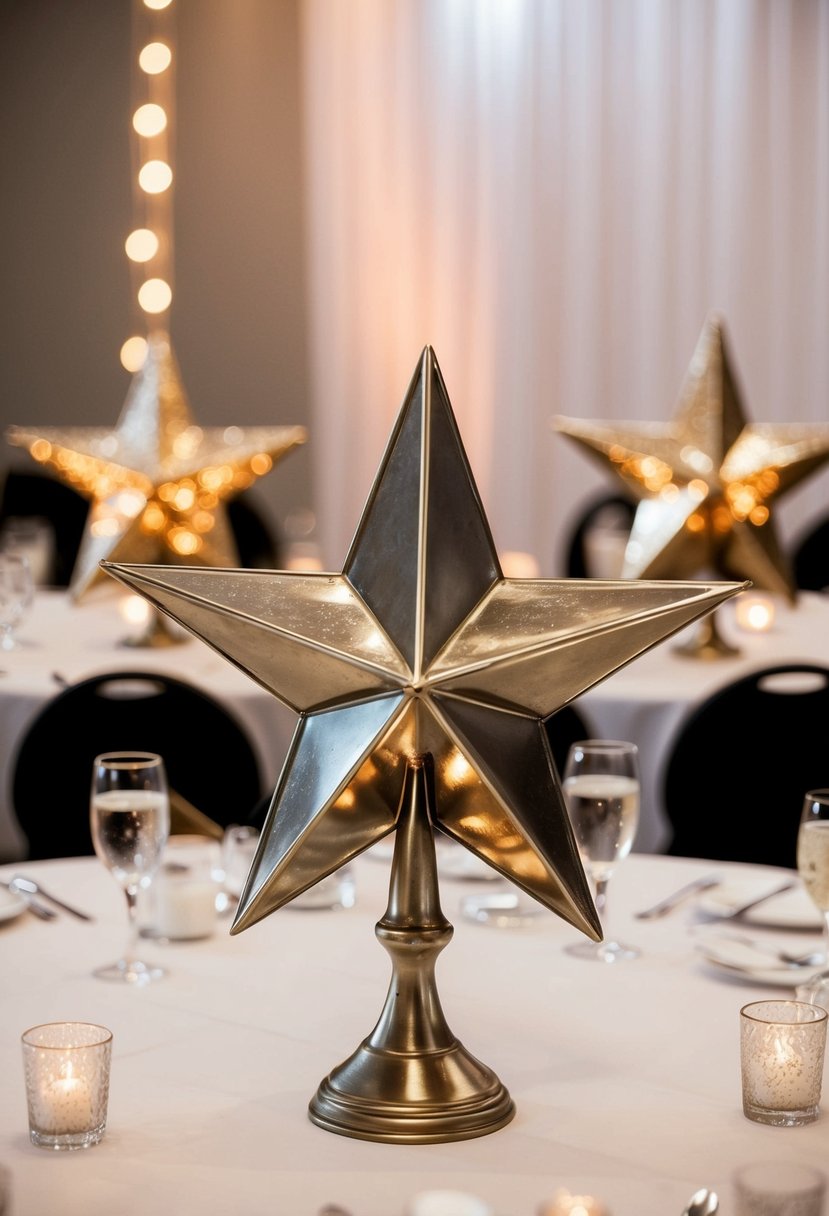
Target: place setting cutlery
{"points": [[666, 905], [34, 894], [41, 911]]}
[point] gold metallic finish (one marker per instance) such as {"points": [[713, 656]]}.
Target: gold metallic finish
{"points": [[420, 649], [709, 481], [411, 1081], [156, 482]]}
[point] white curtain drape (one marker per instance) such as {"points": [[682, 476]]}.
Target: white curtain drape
{"points": [[554, 194]]}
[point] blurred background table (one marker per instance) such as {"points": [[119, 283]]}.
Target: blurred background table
{"points": [[61, 642], [648, 700], [626, 1078]]}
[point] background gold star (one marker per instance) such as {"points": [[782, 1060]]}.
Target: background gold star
{"points": [[157, 482], [421, 647], [709, 480]]}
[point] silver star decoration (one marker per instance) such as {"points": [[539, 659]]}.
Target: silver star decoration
{"points": [[421, 647], [157, 482], [708, 480]]}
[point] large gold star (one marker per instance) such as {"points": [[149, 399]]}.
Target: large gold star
{"points": [[708, 481], [421, 647], [157, 482]]}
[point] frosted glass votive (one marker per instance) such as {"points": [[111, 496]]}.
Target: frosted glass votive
{"points": [[782, 1047], [66, 1068], [779, 1188]]}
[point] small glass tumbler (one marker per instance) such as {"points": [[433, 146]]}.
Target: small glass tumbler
{"points": [[782, 1047], [779, 1188], [66, 1067]]}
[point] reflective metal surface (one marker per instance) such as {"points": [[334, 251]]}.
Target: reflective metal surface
{"points": [[156, 482], [421, 649], [708, 481], [411, 1081]]}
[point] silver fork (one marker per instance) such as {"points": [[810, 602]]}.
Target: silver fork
{"points": [[806, 959]]}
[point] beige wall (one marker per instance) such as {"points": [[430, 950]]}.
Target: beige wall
{"points": [[238, 317]]}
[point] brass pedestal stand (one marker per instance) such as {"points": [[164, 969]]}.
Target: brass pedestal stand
{"points": [[706, 642], [157, 633], [411, 1081]]}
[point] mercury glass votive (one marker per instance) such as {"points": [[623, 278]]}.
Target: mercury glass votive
{"points": [[782, 1047], [66, 1067]]}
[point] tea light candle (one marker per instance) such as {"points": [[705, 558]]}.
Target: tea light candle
{"points": [[64, 1106], [66, 1065], [782, 1046], [754, 612], [185, 907], [563, 1203]]}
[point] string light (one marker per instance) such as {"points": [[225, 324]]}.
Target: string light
{"points": [[149, 246]]}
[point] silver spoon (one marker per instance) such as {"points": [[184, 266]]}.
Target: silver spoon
{"points": [[703, 1202]]}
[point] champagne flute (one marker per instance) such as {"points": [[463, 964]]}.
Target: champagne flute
{"points": [[813, 868], [602, 791], [16, 595], [130, 821]]}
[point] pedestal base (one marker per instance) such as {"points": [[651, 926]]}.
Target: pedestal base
{"points": [[411, 1099], [706, 642]]}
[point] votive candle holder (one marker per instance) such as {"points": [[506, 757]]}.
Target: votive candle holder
{"points": [[782, 1048], [66, 1067]]}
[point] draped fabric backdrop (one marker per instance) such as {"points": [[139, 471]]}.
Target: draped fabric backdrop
{"points": [[554, 194]]}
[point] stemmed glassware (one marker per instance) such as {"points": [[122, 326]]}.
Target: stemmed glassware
{"points": [[813, 868], [130, 821], [602, 789], [16, 595]]}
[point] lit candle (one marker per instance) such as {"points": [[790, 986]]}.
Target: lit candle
{"points": [[754, 612], [185, 907], [782, 1046], [66, 1066], [134, 609], [65, 1105], [565, 1204]]}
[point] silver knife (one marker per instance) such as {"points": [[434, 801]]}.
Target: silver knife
{"points": [[671, 901], [26, 886]]}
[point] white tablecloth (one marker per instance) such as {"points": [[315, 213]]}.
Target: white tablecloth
{"points": [[625, 1077], [644, 702]]}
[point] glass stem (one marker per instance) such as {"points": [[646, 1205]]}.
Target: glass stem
{"points": [[826, 939], [601, 904], [131, 948]]}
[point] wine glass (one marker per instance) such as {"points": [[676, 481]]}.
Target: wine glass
{"points": [[130, 821], [602, 791], [16, 595], [813, 868]]}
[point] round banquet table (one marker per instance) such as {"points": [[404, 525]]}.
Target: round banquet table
{"points": [[626, 1078]]}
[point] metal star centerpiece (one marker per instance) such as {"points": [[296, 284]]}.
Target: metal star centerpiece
{"points": [[422, 678], [707, 481], [157, 482]]}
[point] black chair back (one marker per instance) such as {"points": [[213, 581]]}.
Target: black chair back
{"points": [[209, 757], [39, 495], [568, 725], [810, 558], [617, 509], [740, 763]]}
